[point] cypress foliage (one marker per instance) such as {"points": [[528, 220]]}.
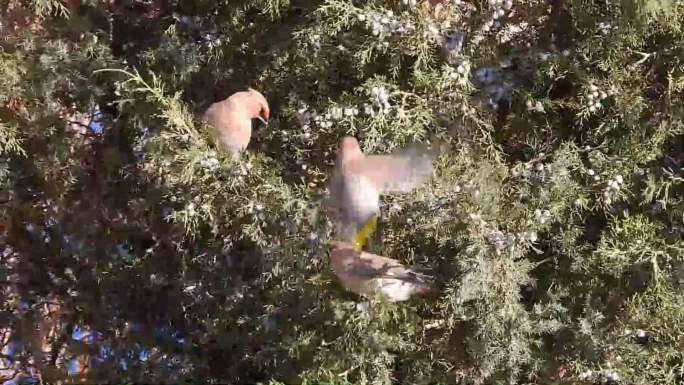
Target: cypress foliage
{"points": [[134, 249]]}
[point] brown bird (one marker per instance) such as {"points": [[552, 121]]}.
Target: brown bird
{"points": [[232, 118], [368, 274], [358, 180]]}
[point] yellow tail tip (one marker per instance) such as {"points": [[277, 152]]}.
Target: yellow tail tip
{"points": [[361, 237]]}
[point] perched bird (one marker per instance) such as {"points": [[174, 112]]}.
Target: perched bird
{"points": [[367, 274], [232, 118], [358, 180]]}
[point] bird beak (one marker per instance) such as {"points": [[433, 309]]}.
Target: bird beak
{"points": [[264, 121]]}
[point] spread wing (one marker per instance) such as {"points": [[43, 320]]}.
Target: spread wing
{"points": [[400, 172]]}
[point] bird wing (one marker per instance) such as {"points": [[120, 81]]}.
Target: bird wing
{"points": [[371, 266], [399, 172], [219, 113], [228, 119]]}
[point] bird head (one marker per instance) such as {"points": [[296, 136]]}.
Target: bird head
{"points": [[349, 150], [261, 110], [349, 144]]}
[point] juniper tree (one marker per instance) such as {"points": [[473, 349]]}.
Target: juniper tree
{"points": [[136, 249]]}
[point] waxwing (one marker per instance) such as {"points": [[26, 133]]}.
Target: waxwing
{"points": [[232, 119]]}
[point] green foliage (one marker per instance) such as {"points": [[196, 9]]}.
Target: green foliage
{"points": [[9, 141], [44, 8], [645, 247], [552, 225]]}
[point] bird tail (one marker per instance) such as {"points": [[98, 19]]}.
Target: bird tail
{"points": [[424, 283], [361, 237]]}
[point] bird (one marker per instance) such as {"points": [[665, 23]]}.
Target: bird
{"points": [[232, 119], [368, 274], [358, 180]]}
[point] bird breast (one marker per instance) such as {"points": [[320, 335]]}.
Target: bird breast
{"points": [[362, 198]]}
